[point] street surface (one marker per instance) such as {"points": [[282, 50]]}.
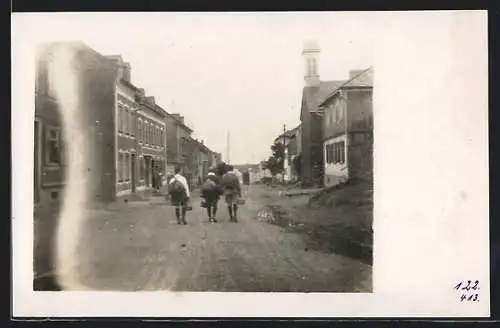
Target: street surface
{"points": [[139, 246]]}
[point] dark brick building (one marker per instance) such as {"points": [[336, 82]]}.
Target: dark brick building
{"points": [[91, 117], [311, 135], [124, 131], [348, 129]]}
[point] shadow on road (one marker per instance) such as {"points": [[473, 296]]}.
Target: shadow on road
{"points": [[346, 241]]}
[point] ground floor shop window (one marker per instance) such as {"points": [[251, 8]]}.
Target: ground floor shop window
{"points": [[127, 167], [335, 153], [142, 168], [53, 146]]}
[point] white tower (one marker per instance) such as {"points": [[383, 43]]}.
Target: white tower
{"points": [[310, 53]]}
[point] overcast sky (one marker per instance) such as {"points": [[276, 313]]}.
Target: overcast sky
{"points": [[236, 72]]}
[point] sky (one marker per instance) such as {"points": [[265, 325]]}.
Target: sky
{"points": [[240, 74]]}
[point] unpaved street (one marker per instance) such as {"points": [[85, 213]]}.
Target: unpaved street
{"points": [[139, 246]]}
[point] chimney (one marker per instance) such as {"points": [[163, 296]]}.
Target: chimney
{"points": [[139, 96], [355, 72], [151, 99], [126, 72], [179, 117]]}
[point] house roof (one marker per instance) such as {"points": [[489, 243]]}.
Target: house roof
{"points": [[362, 80], [288, 134], [179, 122], [314, 96]]}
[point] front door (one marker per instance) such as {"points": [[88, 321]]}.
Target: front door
{"points": [[152, 169], [147, 175], [36, 191], [133, 173]]}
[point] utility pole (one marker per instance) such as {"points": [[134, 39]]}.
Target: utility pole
{"points": [[284, 152], [228, 149]]}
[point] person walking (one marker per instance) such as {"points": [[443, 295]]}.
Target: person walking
{"points": [[210, 192], [232, 191], [157, 179], [179, 193]]}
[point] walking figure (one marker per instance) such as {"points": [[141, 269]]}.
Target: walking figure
{"points": [[211, 191], [232, 191], [179, 193]]}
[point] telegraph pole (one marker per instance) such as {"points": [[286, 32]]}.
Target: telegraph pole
{"points": [[284, 152], [228, 149]]}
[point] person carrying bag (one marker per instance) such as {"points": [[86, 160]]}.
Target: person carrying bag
{"points": [[178, 190]]}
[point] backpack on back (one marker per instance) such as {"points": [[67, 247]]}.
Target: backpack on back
{"points": [[209, 185], [176, 187], [230, 181]]}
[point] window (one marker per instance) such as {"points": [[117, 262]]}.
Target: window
{"points": [[120, 167], [120, 118], [143, 137], [340, 112], [139, 129], [148, 129], [342, 152], [53, 146], [125, 120], [126, 173], [131, 123]]}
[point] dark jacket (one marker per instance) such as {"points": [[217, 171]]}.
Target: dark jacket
{"points": [[230, 182], [218, 190]]}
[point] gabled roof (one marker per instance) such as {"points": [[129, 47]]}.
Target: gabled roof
{"points": [[314, 96], [363, 80], [288, 134]]}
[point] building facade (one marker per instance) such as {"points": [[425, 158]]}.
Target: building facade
{"points": [[122, 132], [289, 139], [178, 135], [348, 130], [90, 115], [311, 135], [140, 135], [50, 164]]}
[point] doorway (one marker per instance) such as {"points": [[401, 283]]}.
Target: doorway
{"points": [[147, 171], [133, 178]]}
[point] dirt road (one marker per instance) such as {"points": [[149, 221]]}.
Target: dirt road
{"points": [[139, 246]]}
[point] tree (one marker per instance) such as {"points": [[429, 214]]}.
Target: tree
{"points": [[275, 163]]}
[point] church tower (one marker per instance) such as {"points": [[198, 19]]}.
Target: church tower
{"points": [[310, 53]]}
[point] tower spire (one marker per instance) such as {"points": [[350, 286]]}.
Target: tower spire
{"points": [[310, 53]]}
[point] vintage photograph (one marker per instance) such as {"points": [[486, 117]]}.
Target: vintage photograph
{"points": [[250, 164], [212, 160]]}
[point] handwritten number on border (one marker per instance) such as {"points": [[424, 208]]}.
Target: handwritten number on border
{"points": [[468, 290]]}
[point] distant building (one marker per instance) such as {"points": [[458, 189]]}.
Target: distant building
{"points": [[289, 138], [348, 129], [311, 136], [178, 136]]}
